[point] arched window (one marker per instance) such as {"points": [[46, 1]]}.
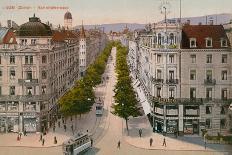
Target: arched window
{"points": [[159, 39], [171, 39]]}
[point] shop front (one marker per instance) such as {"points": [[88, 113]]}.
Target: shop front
{"points": [[9, 122], [172, 126], [191, 126], [30, 122], [159, 125]]}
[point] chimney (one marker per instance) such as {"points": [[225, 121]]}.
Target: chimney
{"points": [[210, 22]]}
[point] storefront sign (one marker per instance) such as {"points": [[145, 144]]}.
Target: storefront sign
{"points": [[29, 115]]}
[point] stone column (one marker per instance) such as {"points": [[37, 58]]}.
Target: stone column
{"points": [[181, 120]]}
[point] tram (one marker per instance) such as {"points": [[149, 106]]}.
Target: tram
{"points": [[99, 108], [77, 144]]}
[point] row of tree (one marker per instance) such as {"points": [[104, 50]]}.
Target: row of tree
{"points": [[126, 103], [80, 99]]}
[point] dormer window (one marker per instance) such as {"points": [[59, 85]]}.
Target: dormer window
{"points": [[193, 43], [209, 42], [223, 42]]}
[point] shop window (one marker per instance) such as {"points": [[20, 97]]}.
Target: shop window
{"points": [[208, 110], [223, 123], [193, 58], [208, 123], [192, 74]]}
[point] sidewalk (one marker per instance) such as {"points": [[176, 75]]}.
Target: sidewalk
{"points": [[181, 143]]}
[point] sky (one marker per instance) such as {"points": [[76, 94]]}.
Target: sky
{"points": [[107, 11]]}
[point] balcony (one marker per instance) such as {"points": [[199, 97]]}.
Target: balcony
{"points": [[172, 81], [28, 82], [157, 81], [209, 81]]}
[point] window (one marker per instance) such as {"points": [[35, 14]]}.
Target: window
{"points": [[12, 59], [192, 74], [0, 90], [29, 75], [44, 75], [159, 39], [29, 90], [171, 58], [193, 58], [12, 74], [12, 90], [171, 39], [223, 123], [208, 123], [209, 75], [208, 109], [222, 111], [31, 59], [0, 59], [224, 58], [158, 92], [209, 42], [171, 75], [171, 92], [192, 93], [158, 58], [193, 42], [224, 94], [33, 41], [43, 89], [209, 93], [209, 58], [26, 60], [159, 73], [224, 75], [0, 73], [44, 59], [223, 43]]}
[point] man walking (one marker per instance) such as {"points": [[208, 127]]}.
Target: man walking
{"points": [[43, 142], [151, 141], [140, 133], [64, 127], [164, 142], [72, 129], [119, 143], [91, 142], [41, 137]]}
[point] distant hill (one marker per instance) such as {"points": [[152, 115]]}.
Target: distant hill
{"points": [[217, 18]]}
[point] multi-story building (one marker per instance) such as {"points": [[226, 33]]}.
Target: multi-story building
{"points": [[37, 66], [185, 72]]}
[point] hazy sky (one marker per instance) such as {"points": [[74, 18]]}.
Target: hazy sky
{"points": [[108, 11]]}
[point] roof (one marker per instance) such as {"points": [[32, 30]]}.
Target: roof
{"points": [[7, 36], [34, 28], [60, 36], [201, 32], [67, 15], [82, 32]]}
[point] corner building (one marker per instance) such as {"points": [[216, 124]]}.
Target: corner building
{"points": [[185, 72]]}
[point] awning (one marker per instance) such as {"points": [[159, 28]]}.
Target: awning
{"points": [[144, 102]]}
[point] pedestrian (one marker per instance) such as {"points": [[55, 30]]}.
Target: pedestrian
{"points": [[20, 135], [59, 124], [25, 132], [91, 140], [18, 139], [140, 133], [41, 137], [119, 143], [43, 141], [65, 127], [151, 141], [63, 120], [72, 129], [164, 142], [87, 131], [54, 128], [55, 140], [71, 118]]}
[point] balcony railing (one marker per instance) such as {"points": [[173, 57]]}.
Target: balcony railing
{"points": [[172, 81], [154, 80], [209, 81], [28, 81]]}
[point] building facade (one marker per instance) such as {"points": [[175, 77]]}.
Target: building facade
{"points": [[37, 66], [185, 72]]}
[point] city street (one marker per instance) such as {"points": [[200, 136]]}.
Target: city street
{"points": [[106, 131]]}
